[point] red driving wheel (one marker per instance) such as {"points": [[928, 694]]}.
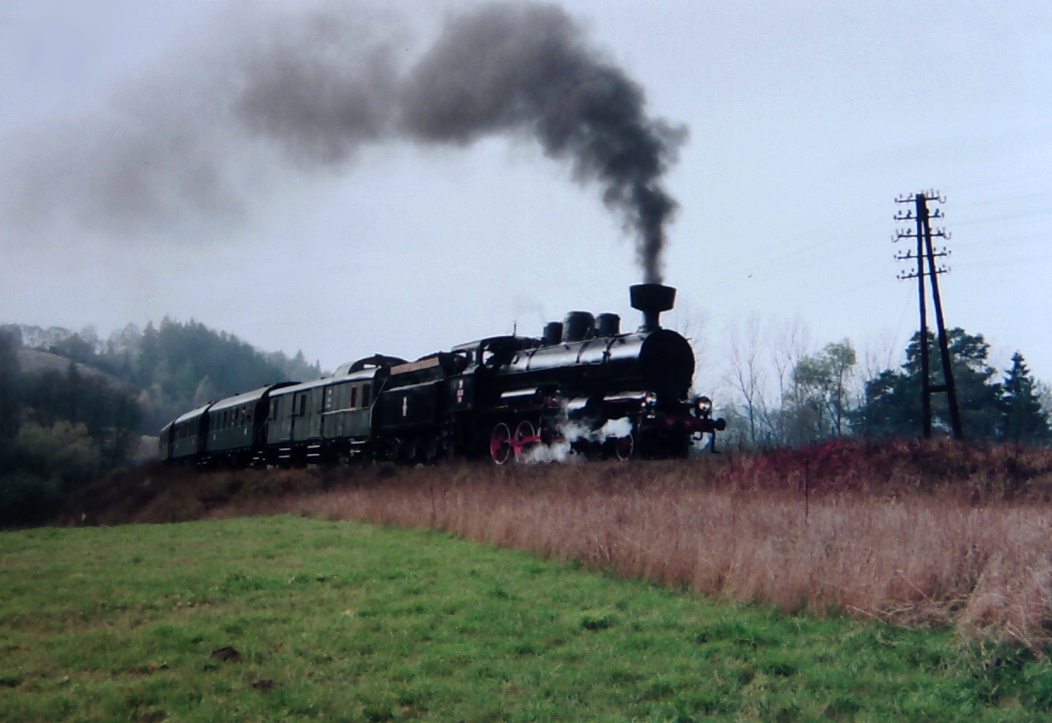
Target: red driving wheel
{"points": [[525, 437], [500, 443], [624, 446]]}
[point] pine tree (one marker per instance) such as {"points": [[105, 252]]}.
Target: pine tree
{"points": [[893, 405], [1023, 419]]}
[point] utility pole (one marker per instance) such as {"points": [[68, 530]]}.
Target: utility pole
{"points": [[926, 253]]}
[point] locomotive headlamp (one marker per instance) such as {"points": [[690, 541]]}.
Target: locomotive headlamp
{"points": [[703, 406], [649, 400]]}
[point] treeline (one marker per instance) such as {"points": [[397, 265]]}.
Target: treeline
{"points": [[785, 397], [62, 427]]}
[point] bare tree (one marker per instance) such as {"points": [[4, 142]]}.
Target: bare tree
{"points": [[791, 344], [691, 321], [879, 354], [746, 373]]}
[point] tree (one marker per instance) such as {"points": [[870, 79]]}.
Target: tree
{"points": [[818, 403], [206, 392], [108, 411], [149, 358], [1023, 420], [978, 395], [746, 375], [10, 402], [789, 346], [892, 406], [76, 347]]}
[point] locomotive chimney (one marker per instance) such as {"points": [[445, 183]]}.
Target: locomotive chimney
{"points": [[652, 299]]}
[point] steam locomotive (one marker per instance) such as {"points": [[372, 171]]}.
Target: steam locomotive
{"points": [[585, 388]]}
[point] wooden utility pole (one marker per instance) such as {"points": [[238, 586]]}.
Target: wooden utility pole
{"points": [[926, 254]]}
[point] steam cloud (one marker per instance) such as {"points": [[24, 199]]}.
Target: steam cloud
{"points": [[195, 141]]}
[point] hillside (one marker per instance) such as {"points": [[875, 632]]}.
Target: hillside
{"points": [[170, 367], [74, 406], [917, 534], [36, 361]]}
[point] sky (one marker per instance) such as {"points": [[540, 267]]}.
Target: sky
{"points": [[792, 128]]}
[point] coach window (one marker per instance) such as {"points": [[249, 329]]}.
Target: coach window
{"points": [[328, 398], [354, 397], [365, 395]]}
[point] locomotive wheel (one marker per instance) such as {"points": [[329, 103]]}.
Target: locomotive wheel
{"points": [[624, 446], [525, 438], [500, 443]]}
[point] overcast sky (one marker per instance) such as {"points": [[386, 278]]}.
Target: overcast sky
{"points": [[805, 121]]}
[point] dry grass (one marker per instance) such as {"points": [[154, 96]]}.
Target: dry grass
{"points": [[960, 536]]}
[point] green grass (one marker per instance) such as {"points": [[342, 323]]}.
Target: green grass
{"points": [[346, 621]]}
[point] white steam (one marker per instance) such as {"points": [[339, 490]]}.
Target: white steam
{"points": [[575, 432]]}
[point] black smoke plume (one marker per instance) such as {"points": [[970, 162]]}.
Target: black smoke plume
{"points": [[203, 137]]}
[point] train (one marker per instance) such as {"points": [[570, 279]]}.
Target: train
{"points": [[584, 388]]}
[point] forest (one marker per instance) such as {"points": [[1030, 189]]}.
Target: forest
{"points": [[74, 406]]}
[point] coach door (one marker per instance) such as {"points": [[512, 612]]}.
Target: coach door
{"points": [[300, 422]]}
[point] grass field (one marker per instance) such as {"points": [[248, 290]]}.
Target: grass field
{"points": [[289, 617]]}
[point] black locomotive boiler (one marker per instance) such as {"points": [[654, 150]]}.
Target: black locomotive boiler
{"points": [[584, 388]]}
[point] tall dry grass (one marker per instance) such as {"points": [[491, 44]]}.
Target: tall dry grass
{"points": [[917, 534], [915, 559]]}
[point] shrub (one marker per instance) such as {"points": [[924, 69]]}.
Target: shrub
{"points": [[27, 499], [63, 451]]}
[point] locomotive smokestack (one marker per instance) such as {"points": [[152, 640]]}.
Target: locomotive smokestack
{"points": [[652, 299]]}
